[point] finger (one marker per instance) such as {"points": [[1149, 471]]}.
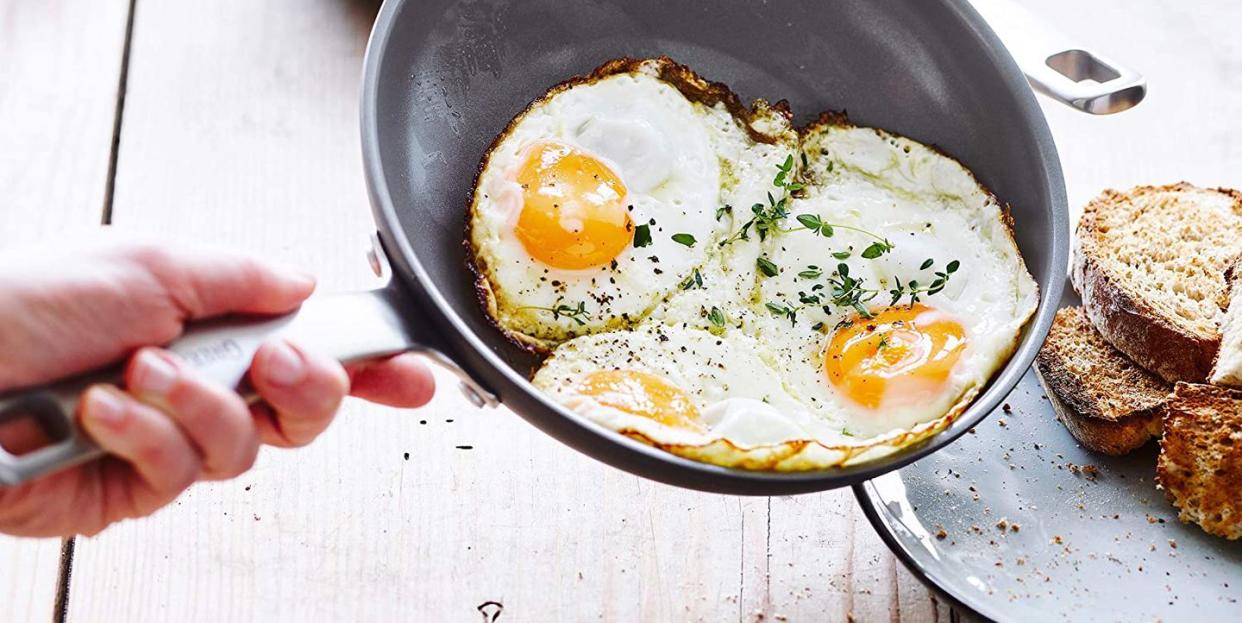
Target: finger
{"points": [[216, 420], [70, 314], [161, 459], [401, 381], [303, 391], [204, 282]]}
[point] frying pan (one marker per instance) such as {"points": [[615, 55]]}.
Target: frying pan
{"points": [[442, 78]]}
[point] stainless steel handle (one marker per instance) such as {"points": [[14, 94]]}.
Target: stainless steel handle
{"points": [[350, 327], [1057, 67]]}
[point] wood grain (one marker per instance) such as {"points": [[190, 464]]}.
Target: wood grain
{"points": [[240, 129], [59, 67]]}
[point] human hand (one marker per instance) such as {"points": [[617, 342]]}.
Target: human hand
{"points": [[167, 427]]}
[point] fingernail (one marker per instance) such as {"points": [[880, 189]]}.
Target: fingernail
{"points": [[285, 365], [304, 279], [153, 375], [104, 407]]}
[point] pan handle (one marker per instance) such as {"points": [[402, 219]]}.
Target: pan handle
{"points": [[1057, 67], [349, 327]]}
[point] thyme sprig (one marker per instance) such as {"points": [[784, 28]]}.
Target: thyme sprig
{"points": [[577, 313], [848, 291], [812, 222], [766, 219]]}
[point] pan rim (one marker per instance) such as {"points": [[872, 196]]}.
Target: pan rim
{"points": [[687, 472]]}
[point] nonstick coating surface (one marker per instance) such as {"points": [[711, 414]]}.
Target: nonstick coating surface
{"points": [[443, 78]]}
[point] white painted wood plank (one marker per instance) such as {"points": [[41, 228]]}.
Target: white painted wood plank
{"points": [[826, 563], [452, 529], [28, 577], [240, 128], [59, 66]]}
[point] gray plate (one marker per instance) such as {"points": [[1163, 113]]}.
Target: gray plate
{"points": [[1103, 545]]}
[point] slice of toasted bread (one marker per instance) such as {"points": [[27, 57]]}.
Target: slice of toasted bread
{"points": [[1109, 404], [1200, 465], [1228, 367], [1149, 264]]}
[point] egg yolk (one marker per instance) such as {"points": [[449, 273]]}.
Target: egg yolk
{"points": [[573, 208], [901, 350], [642, 394]]}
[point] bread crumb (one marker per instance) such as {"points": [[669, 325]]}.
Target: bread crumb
{"points": [[940, 533], [1003, 524], [1090, 471]]}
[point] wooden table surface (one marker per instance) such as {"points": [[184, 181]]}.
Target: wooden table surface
{"points": [[235, 122]]}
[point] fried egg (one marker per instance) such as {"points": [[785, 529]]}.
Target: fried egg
{"points": [[943, 293], [830, 297], [604, 195], [689, 391]]}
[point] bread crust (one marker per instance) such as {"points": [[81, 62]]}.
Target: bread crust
{"points": [[1111, 437], [1200, 464], [1080, 403], [1128, 323]]}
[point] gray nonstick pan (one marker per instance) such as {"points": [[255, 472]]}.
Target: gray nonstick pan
{"points": [[443, 78]]}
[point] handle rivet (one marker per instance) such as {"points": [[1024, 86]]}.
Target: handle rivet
{"points": [[472, 395]]}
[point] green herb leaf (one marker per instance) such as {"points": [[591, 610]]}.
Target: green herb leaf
{"points": [[642, 236], [777, 309], [685, 239], [809, 221], [825, 230], [716, 317], [875, 250], [577, 313], [767, 267], [811, 273], [841, 255], [695, 280], [926, 264], [723, 210], [952, 267]]}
